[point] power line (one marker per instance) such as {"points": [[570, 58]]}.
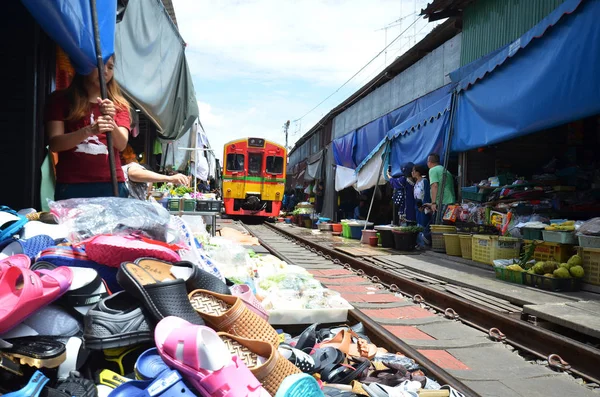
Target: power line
{"points": [[361, 69]]}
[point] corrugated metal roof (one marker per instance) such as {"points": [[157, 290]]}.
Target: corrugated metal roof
{"points": [[491, 24]]}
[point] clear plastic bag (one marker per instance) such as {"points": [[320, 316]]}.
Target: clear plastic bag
{"points": [[590, 228], [87, 217]]}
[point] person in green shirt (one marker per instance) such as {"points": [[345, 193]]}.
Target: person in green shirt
{"points": [[436, 172]]}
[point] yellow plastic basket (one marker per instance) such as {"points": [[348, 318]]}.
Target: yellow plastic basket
{"points": [[443, 229], [487, 248], [438, 243], [546, 251], [452, 242], [466, 243], [591, 264]]}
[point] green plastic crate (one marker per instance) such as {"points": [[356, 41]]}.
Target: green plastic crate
{"points": [[512, 276]]}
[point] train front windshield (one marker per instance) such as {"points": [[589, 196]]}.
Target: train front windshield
{"points": [[255, 164]]}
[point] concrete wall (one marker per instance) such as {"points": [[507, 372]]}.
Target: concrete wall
{"points": [[428, 74]]}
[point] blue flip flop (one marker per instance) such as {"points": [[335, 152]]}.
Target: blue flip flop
{"points": [[168, 384], [33, 388], [299, 385], [12, 222], [149, 365]]}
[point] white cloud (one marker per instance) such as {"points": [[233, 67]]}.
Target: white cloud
{"points": [[269, 47]]}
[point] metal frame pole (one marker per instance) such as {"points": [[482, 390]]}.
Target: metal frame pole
{"points": [[103, 95]]}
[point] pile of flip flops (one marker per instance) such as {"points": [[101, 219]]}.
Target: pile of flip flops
{"points": [[124, 315]]}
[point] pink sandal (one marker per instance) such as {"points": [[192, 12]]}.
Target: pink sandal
{"points": [[23, 292], [202, 358], [18, 260]]}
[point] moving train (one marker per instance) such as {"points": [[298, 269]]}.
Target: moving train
{"points": [[253, 177]]}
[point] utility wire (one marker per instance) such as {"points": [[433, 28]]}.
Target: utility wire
{"points": [[361, 69]]}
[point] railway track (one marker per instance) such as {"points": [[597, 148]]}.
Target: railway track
{"points": [[501, 322]]}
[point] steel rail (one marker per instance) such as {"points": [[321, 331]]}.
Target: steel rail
{"points": [[582, 359], [391, 342]]}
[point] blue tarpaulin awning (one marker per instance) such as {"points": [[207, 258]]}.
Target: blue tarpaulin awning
{"points": [[365, 139], [421, 135], [69, 24], [416, 138], [545, 78]]}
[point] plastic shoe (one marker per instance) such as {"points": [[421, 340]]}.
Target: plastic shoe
{"points": [[35, 387], [299, 385], [169, 384], [204, 360], [149, 365]]}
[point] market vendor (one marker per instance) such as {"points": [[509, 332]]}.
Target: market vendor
{"points": [[138, 178], [403, 196], [77, 121], [436, 173]]}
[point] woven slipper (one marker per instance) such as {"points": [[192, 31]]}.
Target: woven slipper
{"points": [[270, 373], [299, 385], [229, 314], [112, 250], [161, 293]]}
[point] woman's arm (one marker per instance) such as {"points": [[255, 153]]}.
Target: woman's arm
{"points": [[60, 142], [140, 174]]}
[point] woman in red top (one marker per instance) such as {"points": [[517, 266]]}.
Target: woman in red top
{"points": [[76, 123]]}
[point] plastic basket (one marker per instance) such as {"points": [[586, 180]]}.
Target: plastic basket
{"points": [[591, 264], [189, 205], [531, 233], [438, 243], [208, 205], [356, 232], [452, 243], [559, 237], [545, 251], [589, 241], [466, 242], [346, 230], [487, 248], [443, 229], [474, 196], [173, 204], [474, 228], [512, 276], [551, 283]]}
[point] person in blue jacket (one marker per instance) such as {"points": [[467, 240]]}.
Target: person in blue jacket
{"points": [[403, 196]]}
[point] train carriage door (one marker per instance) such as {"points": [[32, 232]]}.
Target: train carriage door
{"points": [[273, 171]]}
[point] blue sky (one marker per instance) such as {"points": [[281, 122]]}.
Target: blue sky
{"points": [[257, 63]]}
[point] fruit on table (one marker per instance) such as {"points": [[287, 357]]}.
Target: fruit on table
{"points": [[550, 266], [576, 271], [561, 272], [548, 275], [575, 260], [538, 268]]}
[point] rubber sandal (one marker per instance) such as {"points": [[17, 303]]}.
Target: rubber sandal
{"points": [[77, 386], [18, 260], [335, 392], [326, 356], [244, 292], [30, 247], [149, 365], [23, 292], [229, 314], [203, 359], [110, 379], [116, 321], [36, 387], [195, 278], [272, 371], [10, 222], [163, 297], [343, 342], [123, 358], [343, 373], [37, 351], [299, 385], [169, 384], [375, 390], [307, 339], [303, 361]]}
